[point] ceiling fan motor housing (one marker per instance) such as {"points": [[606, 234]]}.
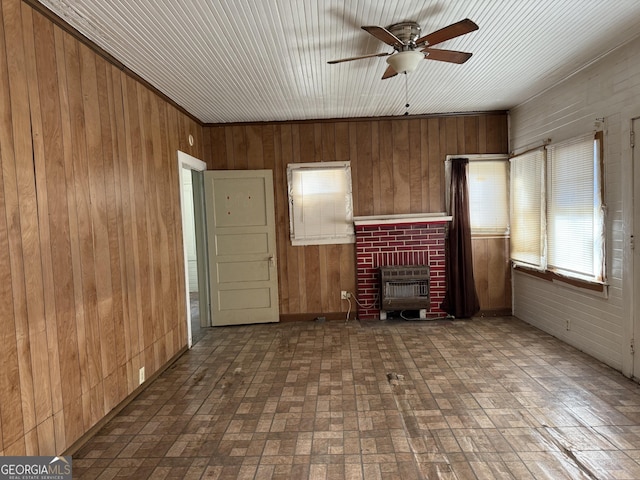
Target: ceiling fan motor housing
{"points": [[407, 33]]}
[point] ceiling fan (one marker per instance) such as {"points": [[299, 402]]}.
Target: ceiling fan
{"points": [[405, 39]]}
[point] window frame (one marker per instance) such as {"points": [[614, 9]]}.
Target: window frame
{"points": [[597, 281], [478, 158], [594, 212], [526, 256], [297, 234]]}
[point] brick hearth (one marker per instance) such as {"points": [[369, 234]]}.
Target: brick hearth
{"points": [[404, 243]]}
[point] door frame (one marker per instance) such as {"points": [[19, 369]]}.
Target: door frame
{"points": [[187, 162], [631, 368]]}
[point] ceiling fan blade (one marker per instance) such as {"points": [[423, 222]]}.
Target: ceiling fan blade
{"points": [[451, 56], [447, 33], [384, 35], [358, 58], [389, 72]]}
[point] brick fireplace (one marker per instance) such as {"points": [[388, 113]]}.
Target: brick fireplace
{"points": [[390, 240]]}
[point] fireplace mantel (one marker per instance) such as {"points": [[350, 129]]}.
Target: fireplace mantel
{"points": [[401, 219]]}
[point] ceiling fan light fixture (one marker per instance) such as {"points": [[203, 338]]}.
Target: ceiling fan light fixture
{"points": [[404, 62]]}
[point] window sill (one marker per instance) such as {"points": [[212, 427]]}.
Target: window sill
{"points": [[598, 289]]}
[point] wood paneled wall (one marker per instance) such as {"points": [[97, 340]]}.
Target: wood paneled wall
{"points": [[91, 265], [492, 274], [397, 167]]}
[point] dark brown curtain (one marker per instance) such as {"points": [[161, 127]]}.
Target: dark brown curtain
{"points": [[461, 298]]}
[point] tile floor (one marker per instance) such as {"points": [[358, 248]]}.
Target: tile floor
{"points": [[477, 399]]}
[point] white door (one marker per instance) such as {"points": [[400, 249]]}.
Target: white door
{"points": [[241, 242]]}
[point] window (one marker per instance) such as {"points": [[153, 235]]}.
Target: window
{"points": [[320, 203], [488, 183], [575, 220], [527, 207], [557, 212], [488, 196]]}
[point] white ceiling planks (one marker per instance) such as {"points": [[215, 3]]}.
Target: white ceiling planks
{"points": [[266, 60]]}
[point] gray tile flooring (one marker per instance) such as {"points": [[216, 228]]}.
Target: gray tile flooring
{"points": [[466, 399]]}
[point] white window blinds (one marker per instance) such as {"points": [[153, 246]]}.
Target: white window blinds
{"points": [[488, 196], [575, 220], [320, 203], [527, 208]]}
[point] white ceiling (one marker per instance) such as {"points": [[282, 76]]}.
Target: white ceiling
{"points": [[265, 60]]}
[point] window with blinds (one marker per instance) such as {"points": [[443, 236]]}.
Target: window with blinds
{"points": [[320, 203], [557, 211], [488, 181], [575, 220], [527, 242]]}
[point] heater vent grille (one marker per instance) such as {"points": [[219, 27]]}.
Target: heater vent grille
{"points": [[404, 287]]}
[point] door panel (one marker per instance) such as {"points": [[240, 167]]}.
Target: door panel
{"points": [[229, 272], [245, 299], [242, 244], [242, 248], [239, 202]]}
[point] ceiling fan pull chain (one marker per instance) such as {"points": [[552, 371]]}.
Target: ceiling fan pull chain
{"points": [[406, 90]]}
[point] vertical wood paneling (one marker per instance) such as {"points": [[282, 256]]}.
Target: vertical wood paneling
{"points": [[98, 328], [401, 167], [375, 162], [30, 232], [415, 167], [435, 179], [11, 421], [328, 139], [255, 152], [11, 428], [471, 134], [364, 174], [69, 308], [499, 274], [43, 221], [90, 256], [397, 167], [352, 139], [481, 269], [113, 353], [387, 179], [342, 145], [312, 283]]}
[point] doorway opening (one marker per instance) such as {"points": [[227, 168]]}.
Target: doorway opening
{"points": [[193, 227], [634, 264], [189, 238]]}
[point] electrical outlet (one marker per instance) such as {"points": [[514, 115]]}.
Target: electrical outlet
{"points": [[141, 375], [344, 295]]}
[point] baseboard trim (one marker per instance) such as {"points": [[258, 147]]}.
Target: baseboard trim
{"points": [[78, 444], [308, 317], [501, 312]]}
